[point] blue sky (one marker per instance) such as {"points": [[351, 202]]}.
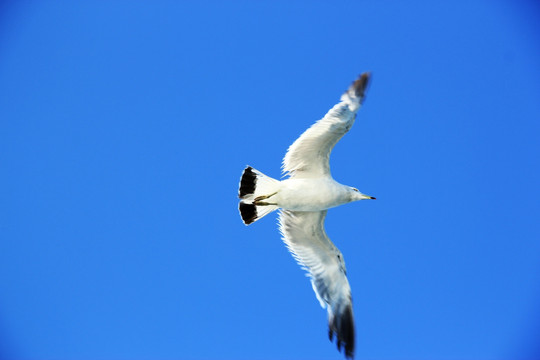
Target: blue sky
{"points": [[124, 129]]}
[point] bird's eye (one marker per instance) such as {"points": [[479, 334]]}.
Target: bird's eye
{"points": [[355, 189]]}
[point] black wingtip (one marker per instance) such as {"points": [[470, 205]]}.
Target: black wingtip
{"points": [[342, 325], [347, 327], [360, 85]]}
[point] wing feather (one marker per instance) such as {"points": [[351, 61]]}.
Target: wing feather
{"points": [[304, 235], [309, 155]]}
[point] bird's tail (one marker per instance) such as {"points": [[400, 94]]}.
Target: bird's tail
{"points": [[255, 193], [355, 94]]}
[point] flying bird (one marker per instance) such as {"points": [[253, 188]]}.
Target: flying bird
{"points": [[303, 198]]}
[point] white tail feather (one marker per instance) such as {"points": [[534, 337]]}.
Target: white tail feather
{"points": [[254, 184]]}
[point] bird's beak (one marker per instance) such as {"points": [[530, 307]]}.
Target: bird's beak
{"points": [[367, 197]]}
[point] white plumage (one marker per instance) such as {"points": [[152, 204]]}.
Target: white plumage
{"points": [[304, 198]]}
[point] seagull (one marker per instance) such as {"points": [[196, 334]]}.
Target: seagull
{"points": [[304, 198]]}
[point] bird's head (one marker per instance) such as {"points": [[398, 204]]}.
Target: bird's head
{"points": [[357, 195]]}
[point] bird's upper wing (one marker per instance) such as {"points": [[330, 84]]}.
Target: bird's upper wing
{"points": [[309, 155], [304, 235]]}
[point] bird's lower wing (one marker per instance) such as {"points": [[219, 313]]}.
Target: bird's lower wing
{"points": [[309, 155], [304, 235]]}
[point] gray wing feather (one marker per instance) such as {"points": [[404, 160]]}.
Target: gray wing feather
{"points": [[304, 235], [309, 155]]}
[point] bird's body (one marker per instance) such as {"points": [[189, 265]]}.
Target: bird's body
{"points": [[304, 198], [311, 194]]}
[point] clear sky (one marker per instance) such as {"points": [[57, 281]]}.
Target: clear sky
{"points": [[124, 129]]}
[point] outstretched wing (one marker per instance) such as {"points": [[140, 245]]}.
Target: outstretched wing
{"points": [[309, 155], [304, 235]]}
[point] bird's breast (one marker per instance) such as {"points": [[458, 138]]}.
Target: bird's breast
{"points": [[310, 194]]}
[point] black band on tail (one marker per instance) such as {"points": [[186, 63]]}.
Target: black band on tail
{"points": [[248, 212], [247, 183]]}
